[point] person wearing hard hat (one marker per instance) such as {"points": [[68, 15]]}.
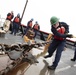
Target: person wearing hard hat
{"points": [[16, 24], [58, 42], [36, 28], [29, 25]]}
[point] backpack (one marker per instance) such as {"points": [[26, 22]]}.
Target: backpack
{"points": [[66, 26]]}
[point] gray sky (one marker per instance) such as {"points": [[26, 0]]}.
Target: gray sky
{"points": [[41, 11]]}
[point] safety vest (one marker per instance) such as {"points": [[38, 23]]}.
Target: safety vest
{"points": [[16, 19], [61, 30], [36, 27]]}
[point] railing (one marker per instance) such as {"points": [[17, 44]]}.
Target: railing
{"points": [[43, 36]]}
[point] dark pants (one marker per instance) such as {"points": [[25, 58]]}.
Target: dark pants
{"points": [[11, 26], [15, 28], [27, 28], [59, 47], [75, 54], [35, 32]]}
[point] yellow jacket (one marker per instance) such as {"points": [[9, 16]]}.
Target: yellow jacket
{"points": [[26, 39]]}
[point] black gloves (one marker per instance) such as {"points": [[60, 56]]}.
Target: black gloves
{"points": [[69, 35]]}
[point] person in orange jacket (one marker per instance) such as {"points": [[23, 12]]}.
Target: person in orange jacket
{"points": [[7, 22], [29, 26], [16, 24], [36, 28], [58, 42]]}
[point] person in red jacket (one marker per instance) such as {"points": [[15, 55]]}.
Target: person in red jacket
{"points": [[36, 28], [29, 26], [16, 24], [58, 42], [7, 22]]}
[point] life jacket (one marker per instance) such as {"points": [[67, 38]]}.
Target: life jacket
{"points": [[9, 17], [61, 30], [17, 20], [66, 26], [36, 27]]}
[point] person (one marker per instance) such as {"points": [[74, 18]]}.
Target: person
{"points": [[16, 24], [74, 57], [7, 22], [29, 25], [36, 28], [29, 36], [58, 42]]}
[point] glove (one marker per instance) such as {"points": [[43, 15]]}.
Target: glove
{"points": [[69, 35]]}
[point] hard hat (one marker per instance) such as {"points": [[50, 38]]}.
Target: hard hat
{"points": [[36, 22], [18, 14], [54, 20], [32, 19]]}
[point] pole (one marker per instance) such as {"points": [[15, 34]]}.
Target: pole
{"points": [[24, 9], [22, 15]]}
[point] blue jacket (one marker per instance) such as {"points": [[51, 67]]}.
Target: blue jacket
{"points": [[58, 34]]}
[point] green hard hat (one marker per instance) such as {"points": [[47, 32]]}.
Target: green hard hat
{"points": [[54, 20]]}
